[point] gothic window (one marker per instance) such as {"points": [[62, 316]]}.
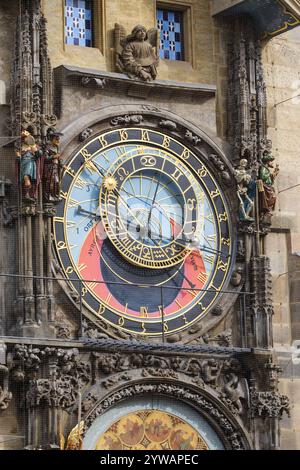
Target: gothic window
{"points": [[170, 25], [78, 23]]}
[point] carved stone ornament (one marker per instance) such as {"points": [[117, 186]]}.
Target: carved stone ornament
{"points": [[167, 124], [56, 363], [232, 435], [220, 167], [98, 82], [5, 394], [137, 54], [192, 139], [269, 404], [57, 392], [128, 119], [85, 134]]}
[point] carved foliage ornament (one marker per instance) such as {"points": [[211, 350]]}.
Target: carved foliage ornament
{"points": [[269, 404]]}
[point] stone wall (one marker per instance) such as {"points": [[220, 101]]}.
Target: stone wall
{"points": [[200, 67], [282, 66]]}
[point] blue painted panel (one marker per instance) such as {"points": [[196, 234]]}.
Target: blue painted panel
{"points": [[169, 24], [78, 23]]}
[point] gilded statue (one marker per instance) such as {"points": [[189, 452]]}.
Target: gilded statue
{"points": [[52, 168], [29, 166], [137, 53], [267, 176], [246, 191]]}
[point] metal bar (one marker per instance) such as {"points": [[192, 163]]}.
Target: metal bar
{"points": [[126, 284], [162, 314], [80, 307]]}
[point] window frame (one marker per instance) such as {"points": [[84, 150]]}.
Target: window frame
{"points": [[186, 8]]}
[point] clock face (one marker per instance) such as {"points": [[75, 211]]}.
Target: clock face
{"points": [[142, 232]]}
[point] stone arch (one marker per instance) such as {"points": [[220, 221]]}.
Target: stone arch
{"points": [[204, 400]]}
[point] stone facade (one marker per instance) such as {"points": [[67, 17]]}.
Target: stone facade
{"points": [[230, 96]]}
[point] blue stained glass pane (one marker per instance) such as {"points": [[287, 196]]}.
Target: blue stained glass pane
{"points": [[169, 23], [78, 23]]}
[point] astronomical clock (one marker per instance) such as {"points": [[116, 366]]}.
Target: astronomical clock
{"points": [[143, 231]]}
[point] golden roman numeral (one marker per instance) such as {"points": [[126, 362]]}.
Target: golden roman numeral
{"points": [[202, 278], [193, 293], [209, 259], [71, 224], [72, 202], [108, 298], [92, 285], [80, 183], [225, 241], [81, 267], [70, 171], [144, 312]]}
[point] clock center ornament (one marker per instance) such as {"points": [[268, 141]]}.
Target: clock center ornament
{"points": [[142, 232]]}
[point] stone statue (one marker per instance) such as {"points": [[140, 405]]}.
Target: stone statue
{"points": [[137, 53], [246, 191], [29, 168], [52, 168], [267, 175]]}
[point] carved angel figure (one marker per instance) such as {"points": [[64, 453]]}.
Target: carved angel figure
{"points": [[137, 54]]}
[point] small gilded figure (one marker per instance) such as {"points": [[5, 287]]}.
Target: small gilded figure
{"points": [[267, 176], [246, 191], [52, 168], [137, 53], [29, 168]]}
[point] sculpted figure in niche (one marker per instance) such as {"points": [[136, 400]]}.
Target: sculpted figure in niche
{"points": [[52, 168], [267, 175], [137, 53], [246, 191], [29, 168]]}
